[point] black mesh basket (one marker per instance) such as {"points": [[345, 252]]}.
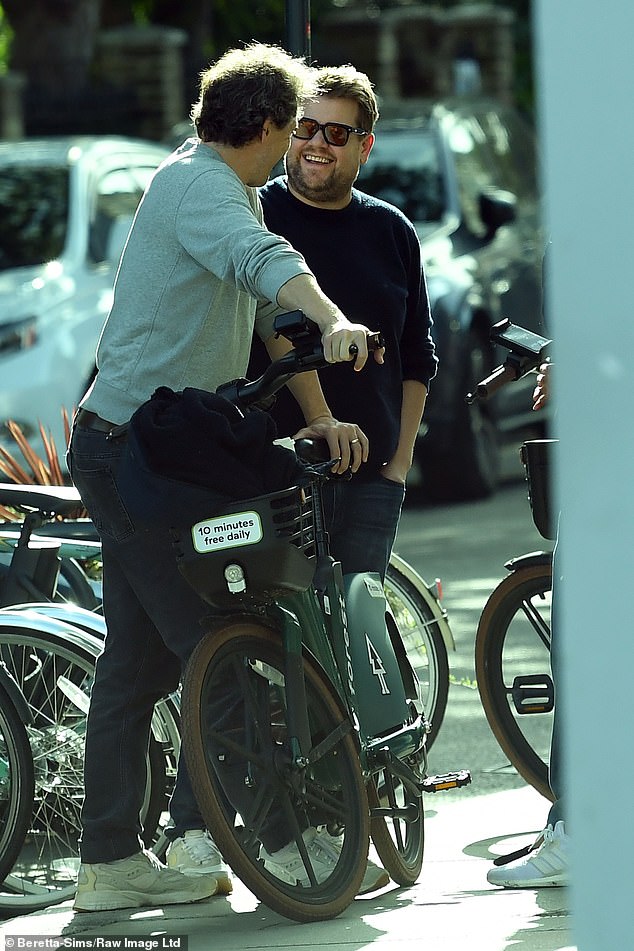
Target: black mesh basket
{"points": [[536, 455], [268, 540]]}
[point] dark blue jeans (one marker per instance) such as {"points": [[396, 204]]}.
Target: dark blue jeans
{"points": [[154, 621], [362, 519]]}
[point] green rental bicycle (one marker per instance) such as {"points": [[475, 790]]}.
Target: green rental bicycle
{"points": [[329, 730]]}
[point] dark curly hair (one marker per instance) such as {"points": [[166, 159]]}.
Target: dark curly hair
{"points": [[244, 88]]}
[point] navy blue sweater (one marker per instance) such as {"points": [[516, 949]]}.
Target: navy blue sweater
{"points": [[366, 258]]}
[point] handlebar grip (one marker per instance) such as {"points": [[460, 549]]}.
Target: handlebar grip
{"points": [[376, 341], [503, 374]]}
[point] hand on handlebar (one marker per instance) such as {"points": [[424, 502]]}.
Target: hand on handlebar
{"points": [[346, 441], [541, 393], [346, 341]]}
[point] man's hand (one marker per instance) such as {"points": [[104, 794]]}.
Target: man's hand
{"points": [[395, 472], [346, 441], [541, 392], [340, 336]]}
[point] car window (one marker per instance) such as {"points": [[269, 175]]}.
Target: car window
{"points": [[513, 146], [492, 150], [117, 193], [404, 168], [33, 214], [476, 170]]}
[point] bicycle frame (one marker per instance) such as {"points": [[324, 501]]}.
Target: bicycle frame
{"points": [[340, 621]]}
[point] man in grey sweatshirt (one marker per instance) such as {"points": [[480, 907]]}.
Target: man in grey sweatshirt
{"points": [[199, 273]]}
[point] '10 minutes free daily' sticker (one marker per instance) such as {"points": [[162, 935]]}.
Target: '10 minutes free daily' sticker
{"points": [[227, 531]]}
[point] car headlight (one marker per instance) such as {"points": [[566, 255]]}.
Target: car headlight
{"points": [[17, 335]]}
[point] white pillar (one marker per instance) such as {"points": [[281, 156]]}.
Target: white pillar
{"points": [[585, 71]]}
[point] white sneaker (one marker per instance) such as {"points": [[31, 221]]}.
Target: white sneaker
{"points": [[196, 853], [323, 851], [134, 882], [546, 867]]}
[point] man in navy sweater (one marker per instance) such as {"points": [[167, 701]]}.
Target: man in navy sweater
{"points": [[366, 256]]}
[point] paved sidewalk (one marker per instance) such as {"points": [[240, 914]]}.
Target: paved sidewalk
{"points": [[452, 908]]}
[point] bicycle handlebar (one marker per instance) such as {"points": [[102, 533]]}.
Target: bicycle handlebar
{"points": [[307, 354], [509, 371], [526, 353]]}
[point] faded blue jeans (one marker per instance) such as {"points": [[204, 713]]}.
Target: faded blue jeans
{"points": [[153, 621]]}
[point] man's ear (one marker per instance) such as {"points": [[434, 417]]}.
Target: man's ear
{"points": [[366, 147], [266, 128]]}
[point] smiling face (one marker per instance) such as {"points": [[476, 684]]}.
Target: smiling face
{"points": [[321, 174]]}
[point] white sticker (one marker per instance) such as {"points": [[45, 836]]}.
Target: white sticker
{"points": [[374, 587], [227, 531]]}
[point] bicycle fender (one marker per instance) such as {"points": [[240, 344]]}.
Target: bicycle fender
{"points": [[380, 694], [531, 560], [424, 589]]}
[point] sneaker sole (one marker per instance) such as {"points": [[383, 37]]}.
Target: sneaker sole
{"points": [[112, 902], [379, 882], [223, 879], [555, 881]]}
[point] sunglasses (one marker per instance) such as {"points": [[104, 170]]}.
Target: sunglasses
{"points": [[335, 133]]}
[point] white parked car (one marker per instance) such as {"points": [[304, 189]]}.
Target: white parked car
{"points": [[66, 206]]}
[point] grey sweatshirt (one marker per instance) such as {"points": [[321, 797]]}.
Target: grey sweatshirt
{"points": [[197, 265]]}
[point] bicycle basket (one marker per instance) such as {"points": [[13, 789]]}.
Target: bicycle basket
{"points": [[536, 456], [255, 550]]}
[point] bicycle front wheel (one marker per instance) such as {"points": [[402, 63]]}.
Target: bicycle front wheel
{"points": [[238, 739], [17, 782], [417, 619], [398, 836], [512, 662]]}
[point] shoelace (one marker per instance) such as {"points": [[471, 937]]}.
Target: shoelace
{"points": [[153, 859], [200, 848], [328, 844]]}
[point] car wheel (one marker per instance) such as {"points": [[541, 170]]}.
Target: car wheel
{"points": [[469, 468]]}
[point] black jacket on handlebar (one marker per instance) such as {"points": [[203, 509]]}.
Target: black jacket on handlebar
{"points": [[189, 454]]}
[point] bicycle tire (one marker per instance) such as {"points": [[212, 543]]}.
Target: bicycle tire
{"points": [[418, 621], [53, 663], [400, 843], [17, 781], [330, 790], [165, 720], [75, 586], [508, 643]]}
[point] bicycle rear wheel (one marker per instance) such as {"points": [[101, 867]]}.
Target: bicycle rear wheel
{"points": [[512, 659], [251, 744], [418, 622], [17, 783]]}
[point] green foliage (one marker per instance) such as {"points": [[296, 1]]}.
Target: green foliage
{"points": [[6, 35], [142, 11]]}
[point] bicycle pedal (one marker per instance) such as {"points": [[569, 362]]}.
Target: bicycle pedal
{"points": [[461, 777], [533, 693]]}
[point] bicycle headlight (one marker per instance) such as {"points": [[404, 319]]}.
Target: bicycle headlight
{"points": [[234, 576]]}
